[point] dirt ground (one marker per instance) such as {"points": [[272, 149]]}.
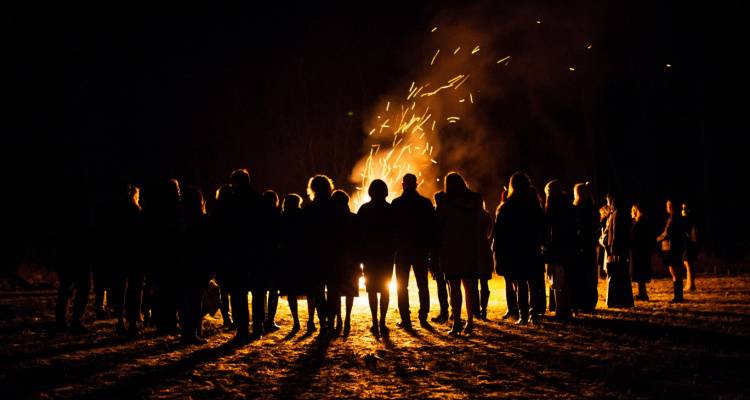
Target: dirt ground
{"points": [[698, 349]]}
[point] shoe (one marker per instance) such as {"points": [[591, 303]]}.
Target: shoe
{"points": [[383, 329], [469, 329], [522, 321], [311, 327], [510, 315], [347, 328], [339, 325], [534, 320], [424, 324], [241, 337], [440, 319], [405, 325], [483, 315], [256, 336], [374, 330], [270, 327], [642, 297], [295, 327], [456, 329]]}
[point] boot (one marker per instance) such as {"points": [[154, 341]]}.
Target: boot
{"points": [[678, 292]]}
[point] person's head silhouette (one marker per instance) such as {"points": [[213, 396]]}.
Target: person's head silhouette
{"points": [[319, 187], [409, 183], [292, 201], [378, 190]]}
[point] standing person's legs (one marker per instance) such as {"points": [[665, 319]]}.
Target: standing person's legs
{"points": [[420, 274], [240, 311], [310, 299], [385, 297], [259, 310], [133, 301], [372, 298], [537, 295], [484, 298], [101, 285], [677, 284], [456, 305], [472, 297], [521, 287], [403, 266], [511, 300], [83, 286], [442, 292], [64, 292], [690, 278], [273, 305], [348, 319]]}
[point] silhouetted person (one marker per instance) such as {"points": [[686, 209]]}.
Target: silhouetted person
{"points": [[324, 223], [672, 245], [221, 236], [559, 246], [375, 223], [439, 276], [641, 248], [193, 274], [510, 294], [518, 241], [125, 235], [583, 273], [273, 258], [294, 262], [614, 239], [349, 268], [248, 255], [414, 222], [160, 202], [458, 217], [692, 246]]}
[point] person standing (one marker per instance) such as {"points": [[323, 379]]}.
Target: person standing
{"points": [[349, 270], [293, 278], [193, 276], [559, 245], [672, 245], [584, 276], [641, 245], [519, 227], [375, 225], [414, 223], [272, 259], [614, 239], [458, 218]]}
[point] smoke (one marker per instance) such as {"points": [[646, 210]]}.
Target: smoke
{"points": [[519, 108]]}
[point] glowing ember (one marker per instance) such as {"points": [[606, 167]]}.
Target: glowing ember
{"points": [[404, 135]]}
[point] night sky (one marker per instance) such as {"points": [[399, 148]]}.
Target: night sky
{"points": [[99, 97]]}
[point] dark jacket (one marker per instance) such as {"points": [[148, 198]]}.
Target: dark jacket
{"points": [[459, 222], [414, 223], [518, 237], [375, 224]]}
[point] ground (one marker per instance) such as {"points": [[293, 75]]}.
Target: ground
{"points": [[697, 349]]}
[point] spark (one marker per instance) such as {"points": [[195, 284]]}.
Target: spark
{"points": [[471, 98], [538, 21], [476, 50], [462, 100], [571, 69], [435, 56], [387, 106], [462, 81], [457, 49], [669, 65], [434, 29], [371, 132], [503, 59], [589, 47], [453, 119]]}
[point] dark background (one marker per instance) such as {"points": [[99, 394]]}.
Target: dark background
{"points": [[97, 97]]}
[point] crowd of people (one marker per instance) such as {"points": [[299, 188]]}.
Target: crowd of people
{"points": [[158, 253]]}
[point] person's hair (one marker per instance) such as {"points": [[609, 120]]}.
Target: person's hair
{"points": [[519, 184], [271, 197], [410, 181], [172, 190], [134, 195], [341, 198], [553, 192], [292, 201], [378, 190], [240, 177], [192, 200], [455, 183], [582, 194], [319, 186], [223, 192]]}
